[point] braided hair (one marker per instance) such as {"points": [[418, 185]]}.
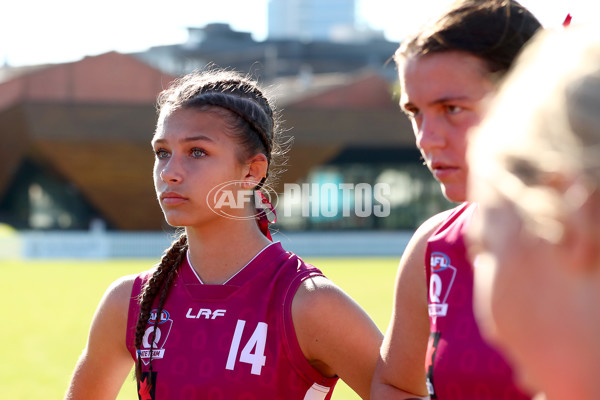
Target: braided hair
{"points": [[159, 283], [251, 121]]}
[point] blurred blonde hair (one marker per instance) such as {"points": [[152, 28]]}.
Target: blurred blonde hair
{"points": [[539, 145]]}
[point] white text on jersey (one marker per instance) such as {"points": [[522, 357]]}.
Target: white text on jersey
{"points": [[205, 312]]}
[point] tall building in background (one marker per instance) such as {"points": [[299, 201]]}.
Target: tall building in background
{"points": [[311, 19]]}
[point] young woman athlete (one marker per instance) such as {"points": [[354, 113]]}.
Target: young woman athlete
{"points": [[227, 313], [536, 241], [447, 71]]}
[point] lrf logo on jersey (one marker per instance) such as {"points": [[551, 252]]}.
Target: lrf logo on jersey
{"points": [[205, 313], [440, 283]]}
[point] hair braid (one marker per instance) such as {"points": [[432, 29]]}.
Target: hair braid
{"points": [[161, 278]]}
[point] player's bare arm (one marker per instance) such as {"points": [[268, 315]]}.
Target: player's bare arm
{"points": [[336, 336], [400, 371], [105, 361]]}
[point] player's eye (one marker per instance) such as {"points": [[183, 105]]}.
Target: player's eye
{"points": [[161, 153], [452, 109], [410, 111], [197, 153]]}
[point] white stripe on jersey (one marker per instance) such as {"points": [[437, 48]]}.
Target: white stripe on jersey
{"points": [[317, 392]]}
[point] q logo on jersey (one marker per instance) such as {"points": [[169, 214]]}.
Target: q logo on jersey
{"points": [[165, 323], [440, 283]]}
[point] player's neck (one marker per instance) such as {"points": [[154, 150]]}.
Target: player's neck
{"points": [[218, 254]]}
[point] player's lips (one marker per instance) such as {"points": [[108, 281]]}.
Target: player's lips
{"points": [[441, 170], [172, 198]]}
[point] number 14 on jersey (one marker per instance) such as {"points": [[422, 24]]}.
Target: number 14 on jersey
{"points": [[253, 352]]}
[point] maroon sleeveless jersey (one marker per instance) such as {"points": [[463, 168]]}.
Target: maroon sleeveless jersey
{"points": [[459, 363], [230, 341]]}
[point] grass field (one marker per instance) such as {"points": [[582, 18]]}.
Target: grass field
{"points": [[49, 306]]}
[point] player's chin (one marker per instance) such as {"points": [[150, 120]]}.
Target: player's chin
{"points": [[454, 192], [176, 218]]}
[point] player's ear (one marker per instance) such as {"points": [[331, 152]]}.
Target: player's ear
{"points": [[256, 170]]}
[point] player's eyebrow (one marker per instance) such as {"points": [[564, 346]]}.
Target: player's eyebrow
{"points": [[185, 139]]}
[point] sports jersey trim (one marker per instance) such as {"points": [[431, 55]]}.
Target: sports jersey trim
{"points": [[187, 256]]}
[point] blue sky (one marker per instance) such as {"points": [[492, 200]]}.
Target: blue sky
{"points": [[42, 31]]}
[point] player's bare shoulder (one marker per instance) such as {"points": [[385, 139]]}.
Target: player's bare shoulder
{"points": [[412, 267], [120, 290], [317, 293], [115, 302], [428, 227], [415, 250], [335, 334], [320, 306]]}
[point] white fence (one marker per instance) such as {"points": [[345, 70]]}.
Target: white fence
{"points": [[102, 244]]}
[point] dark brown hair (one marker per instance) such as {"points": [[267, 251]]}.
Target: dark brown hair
{"points": [[493, 30], [250, 120]]}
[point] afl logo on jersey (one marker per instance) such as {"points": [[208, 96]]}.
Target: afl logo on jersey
{"points": [[160, 334], [440, 284], [164, 316], [439, 261]]}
